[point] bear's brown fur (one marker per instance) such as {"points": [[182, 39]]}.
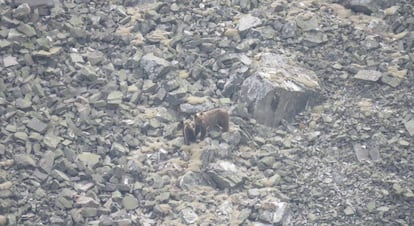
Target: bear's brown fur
{"points": [[189, 132], [209, 119]]}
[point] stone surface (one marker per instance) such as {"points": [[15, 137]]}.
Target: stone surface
{"points": [[93, 93], [155, 67], [368, 75], [226, 174], [278, 90], [37, 125]]}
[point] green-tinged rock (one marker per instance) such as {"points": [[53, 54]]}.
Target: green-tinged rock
{"points": [[63, 202], [76, 58], [409, 193], [163, 197], [59, 175], [115, 98], [129, 202], [23, 104], [51, 140], [4, 44], [24, 160], [89, 211], [47, 161], [22, 136], [371, 206], [89, 159], [27, 30], [397, 188], [54, 51], [409, 126], [37, 125], [14, 35], [349, 211]]}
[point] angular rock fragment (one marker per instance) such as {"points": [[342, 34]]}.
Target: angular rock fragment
{"points": [[188, 216], [89, 159], [22, 10], [47, 161], [10, 61], [54, 51], [34, 3], [129, 202], [37, 125], [115, 98], [368, 75], [24, 161], [248, 21], [51, 140], [225, 174], [409, 126], [27, 30], [278, 90], [275, 212], [155, 67]]}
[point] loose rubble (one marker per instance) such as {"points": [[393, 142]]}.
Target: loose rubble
{"points": [[319, 93]]}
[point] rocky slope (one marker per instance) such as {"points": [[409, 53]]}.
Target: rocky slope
{"points": [[92, 93]]}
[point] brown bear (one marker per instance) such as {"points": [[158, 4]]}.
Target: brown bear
{"points": [[209, 119], [189, 132]]}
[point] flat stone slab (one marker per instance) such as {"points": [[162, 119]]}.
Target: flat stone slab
{"points": [[37, 125]]}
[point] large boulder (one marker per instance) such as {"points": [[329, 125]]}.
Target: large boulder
{"points": [[278, 89]]}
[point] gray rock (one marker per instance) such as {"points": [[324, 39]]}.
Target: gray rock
{"points": [[87, 72], [190, 179], [314, 38], [129, 202], [274, 212], [115, 97], [155, 67], [24, 161], [4, 44], [225, 174], [188, 216], [89, 211], [35, 3], [89, 159], [9, 61], [391, 80], [370, 43], [64, 202], [118, 149], [51, 140], [37, 125], [409, 126], [368, 75], [27, 30], [248, 21], [23, 104], [47, 161], [52, 52], [21, 11], [278, 90], [289, 30], [84, 201], [307, 22], [362, 152], [363, 6], [76, 58], [95, 57]]}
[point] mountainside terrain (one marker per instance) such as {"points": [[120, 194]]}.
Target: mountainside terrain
{"points": [[93, 93]]}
